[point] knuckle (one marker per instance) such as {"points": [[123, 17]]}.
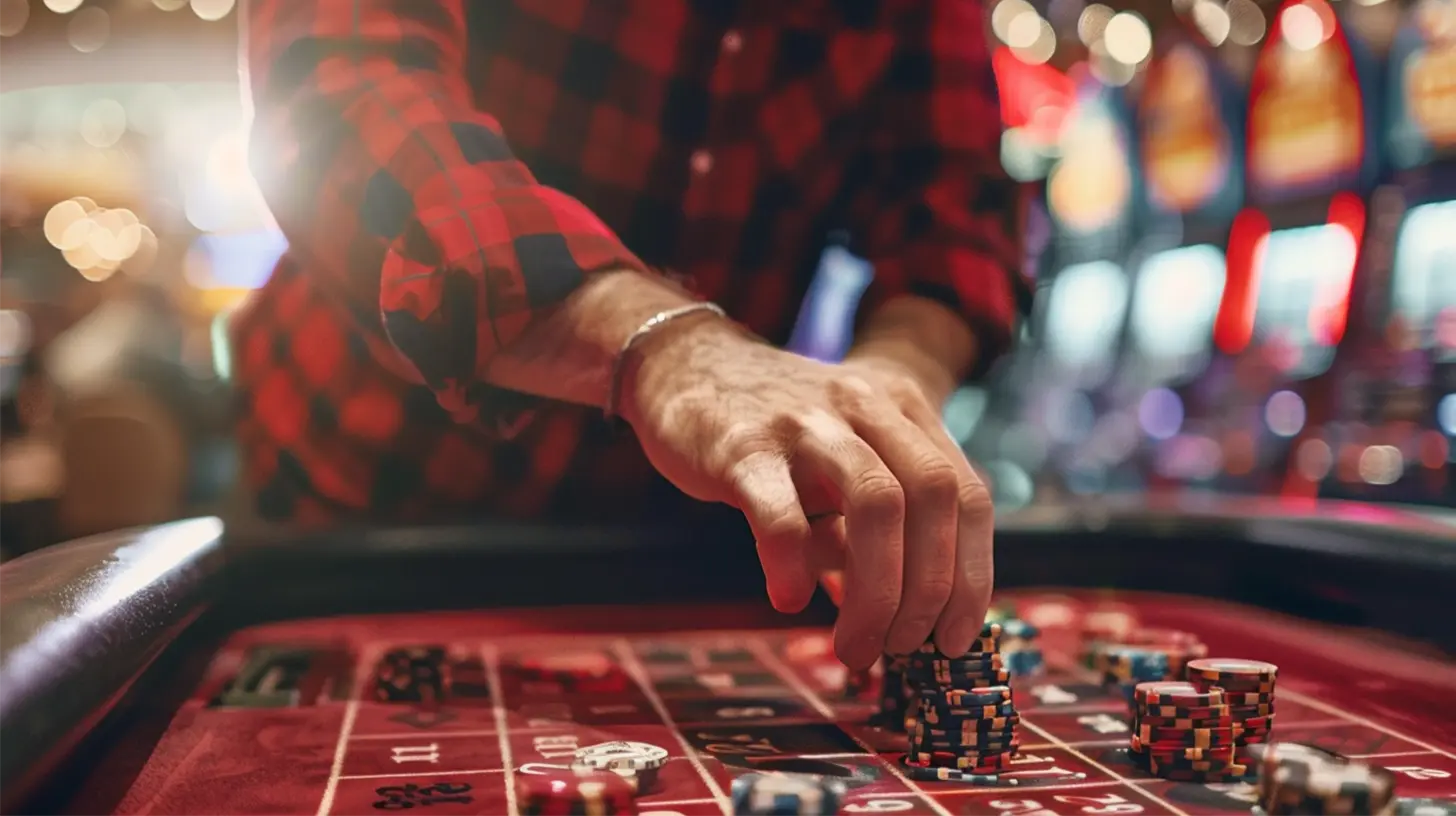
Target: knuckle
{"points": [[878, 493], [788, 528], [741, 438], [974, 496], [850, 388], [936, 480], [934, 591]]}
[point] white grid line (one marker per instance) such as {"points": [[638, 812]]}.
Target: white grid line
{"points": [[402, 735], [1358, 720], [417, 774], [1056, 743], [490, 656], [635, 670], [341, 746], [771, 662], [1392, 755]]}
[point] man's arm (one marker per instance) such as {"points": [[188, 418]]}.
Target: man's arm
{"points": [[939, 219], [408, 203]]}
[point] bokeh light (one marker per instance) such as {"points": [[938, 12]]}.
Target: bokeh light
{"points": [[1246, 22], [1212, 21], [1128, 38], [63, 6], [14, 14], [212, 9], [89, 29]]}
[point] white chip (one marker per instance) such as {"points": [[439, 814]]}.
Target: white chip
{"points": [[622, 755]]}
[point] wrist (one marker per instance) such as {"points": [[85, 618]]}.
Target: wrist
{"points": [[687, 349], [906, 359]]}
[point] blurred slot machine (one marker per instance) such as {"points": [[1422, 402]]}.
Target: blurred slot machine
{"points": [[1188, 121], [1393, 433], [1292, 253], [1078, 320]]}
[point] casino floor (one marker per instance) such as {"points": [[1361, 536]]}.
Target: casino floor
{"points": [[187, 669]]}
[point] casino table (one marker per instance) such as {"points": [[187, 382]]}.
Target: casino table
{"points": [[179, 669]]}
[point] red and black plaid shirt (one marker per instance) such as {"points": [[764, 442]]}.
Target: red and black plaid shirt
{"points": [[446, 169]]}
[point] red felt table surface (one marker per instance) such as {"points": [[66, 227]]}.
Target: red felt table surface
{"points": [[722, 691]]}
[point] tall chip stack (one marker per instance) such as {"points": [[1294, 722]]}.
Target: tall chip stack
{"points": [[1298, 778], [964, 724], [1248, 690], [1183, 733]]}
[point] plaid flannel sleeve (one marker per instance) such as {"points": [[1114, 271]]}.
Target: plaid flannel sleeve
{"points": [[940, 217], [401, 195]]}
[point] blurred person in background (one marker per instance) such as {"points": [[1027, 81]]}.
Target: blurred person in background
{"points": [[481, 200]]}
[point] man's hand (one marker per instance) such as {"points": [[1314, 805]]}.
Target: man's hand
{"points": [[784, 438]]}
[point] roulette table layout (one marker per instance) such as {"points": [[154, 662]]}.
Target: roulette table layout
{"points": [[180, 669]]}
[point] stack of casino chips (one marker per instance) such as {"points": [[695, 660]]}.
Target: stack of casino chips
{"points": [[563, 792], [776, 794], [1124, 667], [1184, 733], [1180, 647], [1298, 778], [1248, 691], [964, 725], [1019, 649]]}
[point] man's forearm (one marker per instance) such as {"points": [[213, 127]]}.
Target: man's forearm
{"points": [[570, 352], [933, 343]]}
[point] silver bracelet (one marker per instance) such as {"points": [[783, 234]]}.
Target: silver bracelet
{"points": [[665, 316]]}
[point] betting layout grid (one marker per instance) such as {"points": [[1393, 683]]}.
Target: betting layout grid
{"points": [[726, 703]]}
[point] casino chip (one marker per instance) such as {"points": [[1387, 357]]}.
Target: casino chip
{"points": [[637, 760], [578, 791], [1185, 733], [1299, 778], [963, 725], [773, 794]]}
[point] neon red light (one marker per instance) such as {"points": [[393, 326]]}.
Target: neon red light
{"points": [[1234, 327], [1327, 321], [1034, 97]]}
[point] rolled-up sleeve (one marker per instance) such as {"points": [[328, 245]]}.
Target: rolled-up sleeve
{"points": [[403, 197]]}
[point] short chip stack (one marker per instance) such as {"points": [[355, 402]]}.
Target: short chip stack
{"points": [[964, 725], [1248, 691], [1123, 667], [1184, 733], [1180, 647], [776, 794], [1298, 778], [563, 792], [638, 762], [1019, 649]]}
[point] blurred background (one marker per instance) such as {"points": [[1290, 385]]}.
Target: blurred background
{"points": [[1243, 239]]}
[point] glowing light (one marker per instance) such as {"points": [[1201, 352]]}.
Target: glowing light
{"points": [[1303, 28], [63, 6], [1093, 23], [1381, 464], [1085, 314], [1446, 414], [170, 5], [1128, 38], [59, 220], [1176, 302], [1246, 22], [1004, 13], [1024, 29], [1212, 21], [89, 29], [103, 123], [1314, 459], [1285, 413], [1160, 412], [211, 10]]}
